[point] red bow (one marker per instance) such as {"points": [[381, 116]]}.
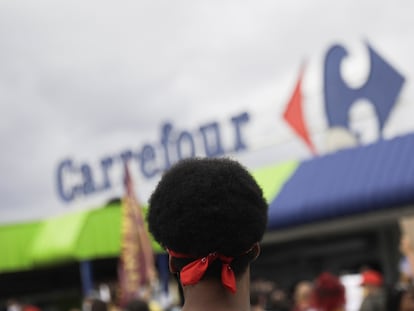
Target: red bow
{"points": [[193, 272]]}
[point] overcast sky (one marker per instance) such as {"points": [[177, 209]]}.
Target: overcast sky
{"points": [[83, 78]]}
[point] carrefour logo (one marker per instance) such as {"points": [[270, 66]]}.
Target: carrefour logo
{"points": [[381, 88]]}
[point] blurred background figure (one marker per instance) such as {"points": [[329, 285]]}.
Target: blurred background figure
{"points": [[257, 300], [137, 305], [98, 305], [407, 263], [13, 305], [407, 274], [374, 294], [260, 291], [302, 296], [407, 299], [402, 296], [267, 295], [278, 300], [16, 305], [328, 293]]}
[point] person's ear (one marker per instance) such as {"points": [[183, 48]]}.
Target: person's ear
{"points": [[171, 265], [255, 251]]}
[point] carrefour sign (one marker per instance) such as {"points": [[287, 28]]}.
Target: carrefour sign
{"points": [[76, 179], [382, 87]]}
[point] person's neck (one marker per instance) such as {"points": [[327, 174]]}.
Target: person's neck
{"points": [[211, 295]]}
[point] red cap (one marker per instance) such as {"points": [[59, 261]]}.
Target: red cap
{"points": [[371, 277]]}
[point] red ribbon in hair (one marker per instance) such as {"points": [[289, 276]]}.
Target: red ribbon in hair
{"points": [[193, 272]]}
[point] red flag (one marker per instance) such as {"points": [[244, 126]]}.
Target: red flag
{"points": [[136, 271], [294, 114]]}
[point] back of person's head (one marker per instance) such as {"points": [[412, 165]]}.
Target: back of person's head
{"points": [[205, 206], [328, 293], [137, 305]]}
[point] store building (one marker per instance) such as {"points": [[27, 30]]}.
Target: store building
{"points": [[330, 142]]}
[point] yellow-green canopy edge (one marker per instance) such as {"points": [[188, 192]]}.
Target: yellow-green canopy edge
{"points": [[93, 233]]}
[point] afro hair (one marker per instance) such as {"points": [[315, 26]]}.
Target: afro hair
{"points": [[205, 205]]}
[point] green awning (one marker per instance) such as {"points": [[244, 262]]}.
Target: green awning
{"points": [[57, 238], [77, 236], [15, 243], [272, 178]]}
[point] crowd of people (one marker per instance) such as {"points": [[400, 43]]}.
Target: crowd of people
{"points": [[328, 293], [216, 238]]}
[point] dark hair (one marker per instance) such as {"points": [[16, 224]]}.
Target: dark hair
{"points": [[98, 305], [328, 292], [205, 205], [137, 305]]}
